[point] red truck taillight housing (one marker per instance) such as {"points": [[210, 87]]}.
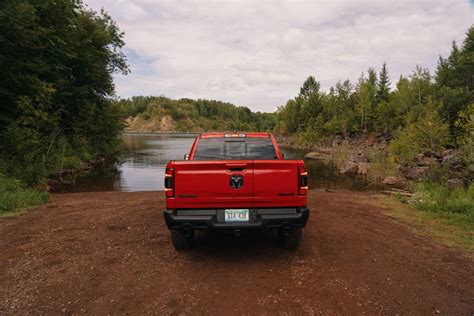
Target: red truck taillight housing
{"points": [[302, 180], [169, 182]]}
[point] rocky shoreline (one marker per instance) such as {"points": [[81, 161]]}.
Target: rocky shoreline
{"points": [[357, 157]]}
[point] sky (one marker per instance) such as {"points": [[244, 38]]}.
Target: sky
{"points": [[258, 53]]}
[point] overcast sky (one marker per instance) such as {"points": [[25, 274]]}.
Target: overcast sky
{"points": [[258, 53]]}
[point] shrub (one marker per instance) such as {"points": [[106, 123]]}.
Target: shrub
{"points": [[404, 146], [13, 196], [466, 120], [429, 133], [381, 167], [341, 154]]}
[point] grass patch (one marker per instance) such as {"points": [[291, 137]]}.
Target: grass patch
{"points": [[453, 228], [437, 199], [14, 197]]}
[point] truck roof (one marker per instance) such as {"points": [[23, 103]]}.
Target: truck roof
{"points": [[220, 135]]}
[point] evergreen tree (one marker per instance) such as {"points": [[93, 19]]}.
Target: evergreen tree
{"points": [[383, 85], [309, 101], [455, 81], [310, 88]]}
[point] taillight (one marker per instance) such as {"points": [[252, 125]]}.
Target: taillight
{"points": [[302, 180], [169, 182]]}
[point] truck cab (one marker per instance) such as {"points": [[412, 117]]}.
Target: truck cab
{"points": [[235, 182]]}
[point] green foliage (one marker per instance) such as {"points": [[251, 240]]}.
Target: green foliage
{"points": [[437, 198], [13, 196], [56, 62], [424, 112], [197, 115], [310, 88], [404, 146], [465, 124], [455, 81], [433, 133], [365, 91], [346, 110], [383, 85], [429, 133], [454, 208], [288, 117]]}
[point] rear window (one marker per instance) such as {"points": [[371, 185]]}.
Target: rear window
{"points": [[252, 148]]}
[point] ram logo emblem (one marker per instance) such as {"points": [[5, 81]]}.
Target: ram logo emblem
{"points": [[236, 182]]}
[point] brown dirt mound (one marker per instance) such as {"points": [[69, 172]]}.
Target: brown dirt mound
{"points": [[154, 124]]}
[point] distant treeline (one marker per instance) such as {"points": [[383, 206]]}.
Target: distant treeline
{"points": [[56, 64], [197, 115]]}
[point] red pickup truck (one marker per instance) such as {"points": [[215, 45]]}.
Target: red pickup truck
{"points": [[236, 182]]}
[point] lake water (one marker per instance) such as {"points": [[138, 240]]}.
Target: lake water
{"points": [[141, 166]]}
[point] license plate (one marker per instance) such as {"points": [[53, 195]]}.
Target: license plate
{"points": [[241, 215]]}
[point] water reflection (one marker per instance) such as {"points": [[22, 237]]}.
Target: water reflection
{"points": [[324, 176], [141, 166]]}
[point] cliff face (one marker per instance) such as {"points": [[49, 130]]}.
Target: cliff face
{"points": [[154, 124]]}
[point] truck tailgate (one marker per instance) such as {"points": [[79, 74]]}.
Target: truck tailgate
{"points": [[236, 184]]}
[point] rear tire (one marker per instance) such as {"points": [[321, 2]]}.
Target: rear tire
{"points": [[181, 241], [291, 239]]}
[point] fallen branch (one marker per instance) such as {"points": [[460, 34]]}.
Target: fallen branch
{"points": [[398, 192]]}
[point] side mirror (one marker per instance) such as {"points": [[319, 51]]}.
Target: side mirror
{"points": [[186, 157]]}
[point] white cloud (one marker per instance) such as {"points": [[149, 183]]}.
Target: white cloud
{"points": [[258, 53]]}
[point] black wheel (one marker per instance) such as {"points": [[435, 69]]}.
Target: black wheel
{"points": [[180, 240], [290, 239]]}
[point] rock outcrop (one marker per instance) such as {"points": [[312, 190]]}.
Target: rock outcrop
{"points": [[316, 155], [358, 155], [393, 180], [417, 173], [454, 184], [349, 167], [363, 168]]}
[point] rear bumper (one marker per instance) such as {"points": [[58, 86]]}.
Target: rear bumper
{"points": [[214, 218]]}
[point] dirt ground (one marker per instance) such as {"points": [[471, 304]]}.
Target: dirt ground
{"points": [[99, 253]]}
